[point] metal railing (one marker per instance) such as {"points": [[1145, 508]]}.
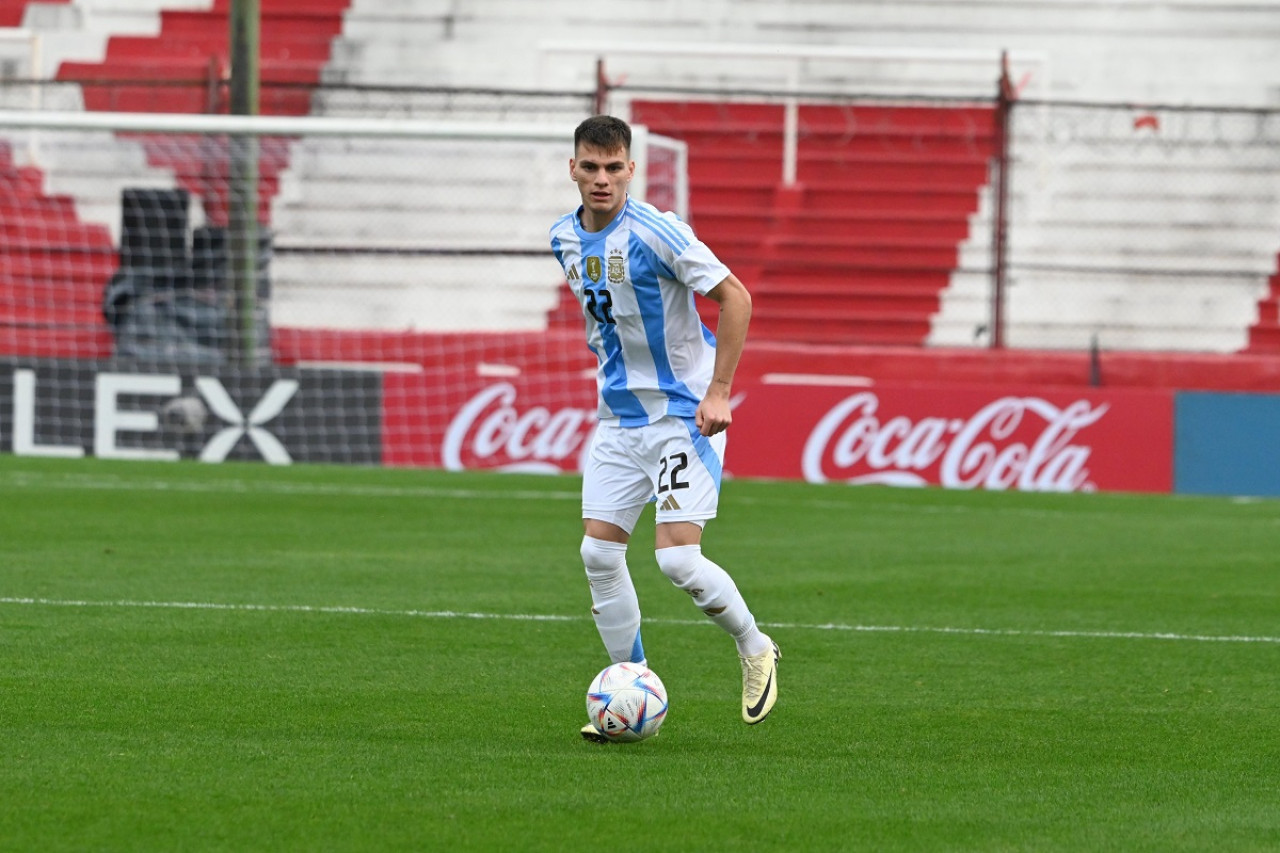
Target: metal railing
{"points": [[1125, 226]]}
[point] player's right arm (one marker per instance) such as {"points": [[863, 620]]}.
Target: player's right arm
{"points": [[714, 413]]}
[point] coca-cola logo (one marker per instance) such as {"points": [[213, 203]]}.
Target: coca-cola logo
{"points": [[1024, 443], [489, 431]]}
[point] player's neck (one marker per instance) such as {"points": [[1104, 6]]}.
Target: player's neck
{"points": [[593, 221]]}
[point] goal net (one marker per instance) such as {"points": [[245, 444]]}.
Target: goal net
{"points": [[294, 288]]}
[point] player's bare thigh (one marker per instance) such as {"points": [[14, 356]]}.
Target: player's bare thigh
{"points": [[603, 530], [669, 535]]}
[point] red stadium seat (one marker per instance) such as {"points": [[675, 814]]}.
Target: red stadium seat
{"points": [[860, 248]]}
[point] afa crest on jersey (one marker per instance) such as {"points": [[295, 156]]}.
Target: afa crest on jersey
{"points": [[617, 267]]}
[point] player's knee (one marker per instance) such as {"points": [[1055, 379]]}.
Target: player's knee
{"points": [[680, 564], [601, 557]]}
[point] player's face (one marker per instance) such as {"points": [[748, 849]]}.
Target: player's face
{"points": [[602, 178]]}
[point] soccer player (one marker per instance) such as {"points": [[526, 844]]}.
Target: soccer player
{"points": [[664, 385]]}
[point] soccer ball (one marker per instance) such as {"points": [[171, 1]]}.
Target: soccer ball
{"points": [[626, 702]]}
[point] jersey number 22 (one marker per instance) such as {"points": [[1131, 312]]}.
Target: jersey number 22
{"points": [[600, 305]]}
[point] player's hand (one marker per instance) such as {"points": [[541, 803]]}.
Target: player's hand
{"points": [[713, 416]]}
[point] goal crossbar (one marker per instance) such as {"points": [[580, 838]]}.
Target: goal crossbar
{"points": [[282, 125]]}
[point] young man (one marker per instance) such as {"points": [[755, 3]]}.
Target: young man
{"points": [[664, 383]]}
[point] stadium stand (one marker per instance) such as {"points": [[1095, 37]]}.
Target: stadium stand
{"points": [[912, 230], [1111, 206], [46, 250], [441, 205], [13, 11], [860, 248], [295, 40], [1264, 335], [1158, 52], [1125, 239], [190, 45], [146, 46]]}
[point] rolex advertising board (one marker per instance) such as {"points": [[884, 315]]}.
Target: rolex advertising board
{"points": [[165, 413]]}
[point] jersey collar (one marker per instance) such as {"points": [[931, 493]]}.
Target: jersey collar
{"points": [[586, 235]]}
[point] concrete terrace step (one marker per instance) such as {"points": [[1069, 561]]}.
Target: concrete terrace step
{"points": [[906, 147], [56, 310], [948, 182], [363, 290], [279, 7], [826, 260], [836, 226], [272, 50], [13, 12], [29, 231], [87, 274], [849, 171], [159, 69], [1141, 337], [856, 284], [547, 351], [38, 208], [818, 327], [297, 18], [411, 230], [827, 116], [1168, 206], [42, 341], [1173, 239], [26, 182], [847, 306], [760, 193], [38, 261], [1211, 261], [1264, 340]]}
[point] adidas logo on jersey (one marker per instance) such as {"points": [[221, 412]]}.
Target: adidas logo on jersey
{"points": [[670, 503], [573, 273]]}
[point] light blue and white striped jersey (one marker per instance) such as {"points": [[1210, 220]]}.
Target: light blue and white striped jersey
{"points": [[636, 281]]}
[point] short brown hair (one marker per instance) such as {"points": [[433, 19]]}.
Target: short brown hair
{"points": [[606, 133]]}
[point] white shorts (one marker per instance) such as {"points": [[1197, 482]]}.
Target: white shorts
{"points": [[668, 462]]}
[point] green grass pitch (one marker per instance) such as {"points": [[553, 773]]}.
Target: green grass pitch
{"points": [[242, 657]]}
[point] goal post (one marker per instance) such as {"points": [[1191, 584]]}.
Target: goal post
{"points": [[400, 266]]}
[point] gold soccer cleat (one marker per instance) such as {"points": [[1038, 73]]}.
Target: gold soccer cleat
{"points": [[759, 684]]}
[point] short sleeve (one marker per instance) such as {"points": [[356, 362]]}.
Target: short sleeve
{"points": [[699, 268]]}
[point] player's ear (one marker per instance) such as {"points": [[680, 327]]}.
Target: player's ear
{"points": [[572, 164]]}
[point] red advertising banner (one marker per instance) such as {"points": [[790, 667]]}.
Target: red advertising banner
{"points": [[962, 438], [460, 420], [1030, 439]]}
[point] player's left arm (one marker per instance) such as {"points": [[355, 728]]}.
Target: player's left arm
{"points": [[714, 414]]}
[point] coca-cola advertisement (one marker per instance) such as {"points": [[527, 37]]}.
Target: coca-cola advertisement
{"points": [[462, 420], [1028, 439], [962, 438]]}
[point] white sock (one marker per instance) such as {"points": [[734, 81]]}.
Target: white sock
{"points": [[715, 594], [614, 605]]}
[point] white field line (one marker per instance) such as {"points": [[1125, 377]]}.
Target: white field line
{"points": [[25, 479], [547, 617], [273, 487]]}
